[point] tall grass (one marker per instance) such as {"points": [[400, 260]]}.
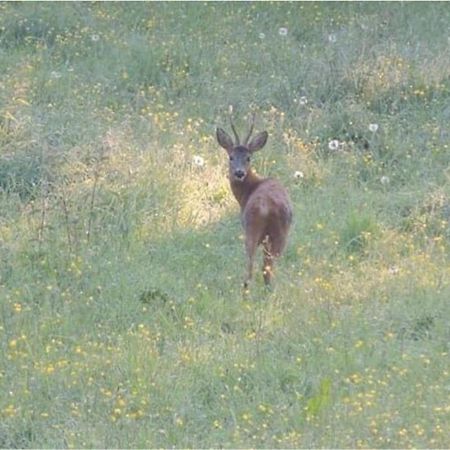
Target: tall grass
{"points": [[122, 320]]}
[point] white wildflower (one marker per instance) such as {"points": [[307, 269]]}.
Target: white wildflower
{"points": [[283, 31], [332, 38], [55, 74], [333, 145], [298, 174], [373, 127], [262, 35], [198, 161], [303, 100], [393, 270], [95, 37], [384, 180]]}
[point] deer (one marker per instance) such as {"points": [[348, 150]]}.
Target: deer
{"points": [[266, 209]]}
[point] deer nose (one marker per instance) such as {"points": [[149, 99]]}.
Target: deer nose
{"points": [[239, 174]]}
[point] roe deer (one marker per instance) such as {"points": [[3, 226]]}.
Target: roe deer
{"points": [[266, 211]]}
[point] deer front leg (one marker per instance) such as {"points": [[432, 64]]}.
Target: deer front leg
{"points": [[250, 247]]}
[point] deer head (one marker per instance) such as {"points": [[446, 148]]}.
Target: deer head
{"points": [[239, 153]]}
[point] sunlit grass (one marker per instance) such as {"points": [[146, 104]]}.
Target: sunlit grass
{"points": [[122, 317]]}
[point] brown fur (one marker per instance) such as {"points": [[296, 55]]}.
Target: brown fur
{"points": [[266, 215], [266, 210]]}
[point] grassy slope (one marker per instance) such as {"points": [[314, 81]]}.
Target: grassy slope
{"points": [[122, 322]]}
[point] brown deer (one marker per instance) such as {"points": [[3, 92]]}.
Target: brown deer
{"points": [[266, 211]]}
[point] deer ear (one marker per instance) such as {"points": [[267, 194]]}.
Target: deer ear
{"points": [[224, 140], [258, 142]]}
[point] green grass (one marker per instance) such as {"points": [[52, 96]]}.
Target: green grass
{"points": [[122, 319]]}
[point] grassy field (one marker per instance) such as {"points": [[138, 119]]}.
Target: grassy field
{"points": [[122, 320]]}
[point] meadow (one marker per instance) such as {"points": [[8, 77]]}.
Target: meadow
{"points": [[122, 318]]}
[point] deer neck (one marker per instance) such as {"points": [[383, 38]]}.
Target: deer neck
{"points": [[243, 189]]}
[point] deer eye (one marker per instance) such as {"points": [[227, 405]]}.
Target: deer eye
{"points": [[231, 158], [248, 158]]}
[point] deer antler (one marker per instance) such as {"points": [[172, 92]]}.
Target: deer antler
{"points": [[234, 130], [251, 129]]}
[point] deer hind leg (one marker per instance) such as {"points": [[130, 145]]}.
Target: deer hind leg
{"points": [[273, 247], [268, 260]]}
